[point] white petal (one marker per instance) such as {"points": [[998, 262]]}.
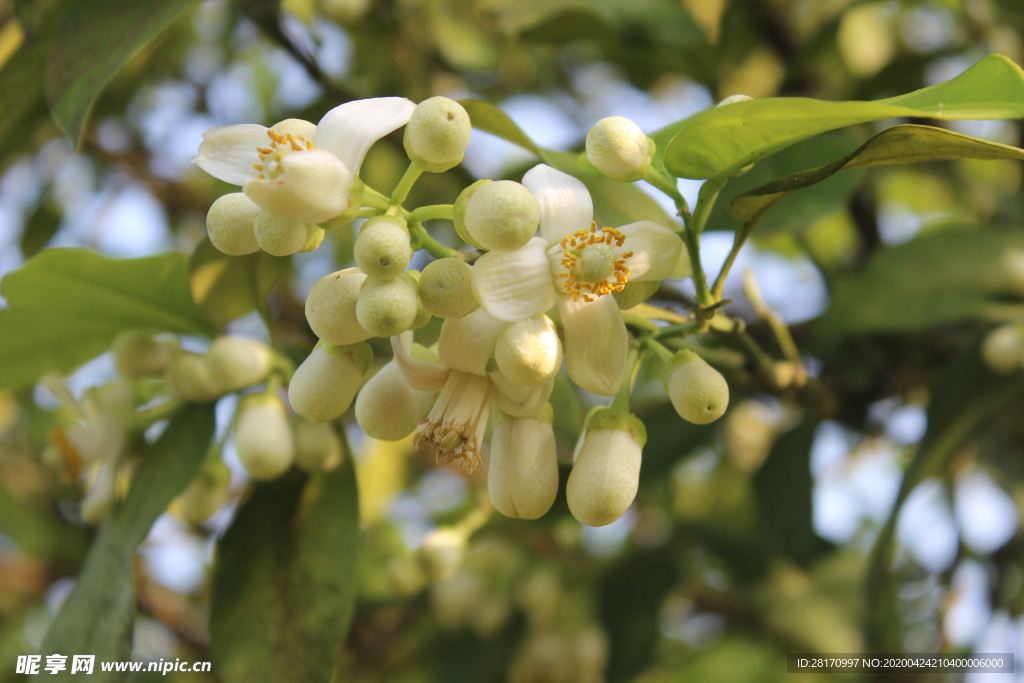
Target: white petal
{"points": [[514, 285], [596, 343], [228, 153], [349, 130], [518, 400], [565, 203], [313, 188], [655, 248], [466, 343], [420, 376]]}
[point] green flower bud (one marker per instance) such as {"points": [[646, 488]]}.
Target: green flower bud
{"points": [[446, 288], [236, 362], [699, 393], [618, 148], [300, 127], [285, 236], [460, 208], [317, 446], [331, 308], [323, 387], [635, 293], [501, 216], [263, 437], [137, 354], [441, 553], [1003, 349], [382, 248], [205, 494], [387, 408], [387, 307], [529, 352], [188, 376], [522, 479], [230, 222], [606, 471], [437, 134]]}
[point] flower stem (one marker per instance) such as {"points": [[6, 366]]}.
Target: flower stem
{"points": [[426, 213], [741, 237], [421, 239], [705, 201], [368, 212], [664, 354], [142, 420], [680, 330], [621, 400], [412, 174], [662, 183], [374, 199]]}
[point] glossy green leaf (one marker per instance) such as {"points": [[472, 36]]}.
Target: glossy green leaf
{"points": [[932, 280], [898, 145], [490, 119], [67, 305], [98, 615], [722, 140], [91, 42], [285, 580], [228, 287]]}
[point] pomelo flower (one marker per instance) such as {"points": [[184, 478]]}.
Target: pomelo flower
{"points": [[576, 265]]}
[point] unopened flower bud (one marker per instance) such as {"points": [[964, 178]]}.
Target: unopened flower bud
{"points": [[1003, 349], [286, 236], [606, 472], [446, 288], [387, 307], [387, 408], [501, 215], [317, 446], [230, 223], [263, 437], [189, 377], [618, 148], [437, 134], [529, 352], [237, 362], [522, 479], [635, 293], [137, 354], [382, 248], [441, 553], [323, 387], [699, 393], [206, 493], [331, 308]]}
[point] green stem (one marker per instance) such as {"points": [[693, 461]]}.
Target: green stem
{"points": [[421, 239], [679, 330], [664, 354], [368, 212], [741, 237], [426, 213], [274, 383], [705, 201], [412, 174], [142, 420], [621, 400], [283, 364], [639, 322], [375, 200], [662, 183]]}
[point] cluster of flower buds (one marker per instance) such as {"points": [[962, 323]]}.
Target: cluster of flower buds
{"points": [[1003, 349]]}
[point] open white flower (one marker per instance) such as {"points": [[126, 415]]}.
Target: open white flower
{"points": [[454, 429], [577, 265], [297, 170]]}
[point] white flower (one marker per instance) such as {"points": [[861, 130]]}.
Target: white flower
{"points": [[577, 265], [454, 428], [297, 170]]}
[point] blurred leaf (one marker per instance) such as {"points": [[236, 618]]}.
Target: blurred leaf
{"points": [[285, 579], [708, 15], [67, 305], [932, 280], [39, 228], [97, 616], [91, 42], [489, 118], [722, 140], [20, 74], [898, 145], [228, 287], [41, 532]]}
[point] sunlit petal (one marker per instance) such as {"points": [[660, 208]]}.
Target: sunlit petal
{"points": [[229, 153], [565, 203], [655, 248], [514, 285], [349, 130], [313, 188], [466, 343], [596, 343], [420, 375]]}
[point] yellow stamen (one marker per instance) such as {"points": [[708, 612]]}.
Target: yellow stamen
{"points": [[580, 240]]}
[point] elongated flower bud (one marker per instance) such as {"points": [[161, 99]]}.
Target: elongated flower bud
{"points": [[437, 134], [387, 408], [263, 437], [441, 553], [1003, 349], [137, 354], [446, 288], [331, 308], [387, 308], [323, 387], [188, 376], [286, 236], [206, 493], [618, 148], [382, 248], [529, 351], [606, 472], [522, 479], [236, 362], [317, 446], [501, 215], [230, 223], [699, 393]]}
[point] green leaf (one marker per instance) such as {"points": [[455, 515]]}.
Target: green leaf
{"points": [[935, 279], [724, 139], [98, 615], [91, 42], [488, 118], [67, 305], [284, 581], [897, 145], [228, 287]]}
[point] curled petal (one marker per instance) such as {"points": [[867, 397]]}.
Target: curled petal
{"points": [[514, 285], [466, 343], [349, 130], [518, 400], [655, 248], [596, 343], [313, 188], [565, 203], [229, 153], [420, 375]]}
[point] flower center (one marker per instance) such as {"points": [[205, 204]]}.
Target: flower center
{"points": [[594, 266], [455, 427], [281, 144]]}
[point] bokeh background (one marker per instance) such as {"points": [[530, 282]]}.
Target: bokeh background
{"points": [[749, 538]]}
